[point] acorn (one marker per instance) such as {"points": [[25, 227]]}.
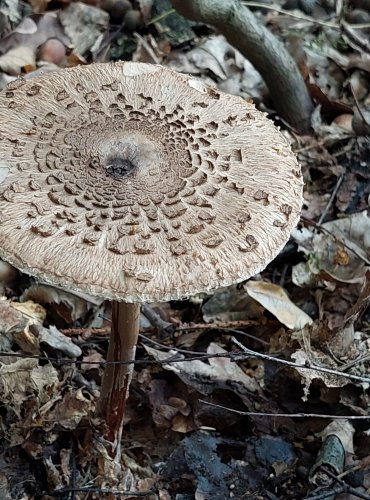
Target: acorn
{"points": [[358, 16], [133, 20], [361, 123], [53, 51], [116, 9]]}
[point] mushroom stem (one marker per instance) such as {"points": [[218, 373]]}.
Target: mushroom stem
{"points": [[117, 376]]}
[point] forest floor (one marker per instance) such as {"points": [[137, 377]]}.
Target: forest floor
{"points": [[213, 427]]}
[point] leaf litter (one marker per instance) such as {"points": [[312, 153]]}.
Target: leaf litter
{"points": [[310, 306]]}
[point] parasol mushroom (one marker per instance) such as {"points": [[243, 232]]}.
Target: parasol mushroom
{"points": [[137, 184]]}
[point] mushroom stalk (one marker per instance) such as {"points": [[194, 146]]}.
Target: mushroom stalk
{"points": [[118, 372]]}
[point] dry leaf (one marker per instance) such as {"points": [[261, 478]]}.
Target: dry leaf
{"points": [[67, 305], [276, 301], [31, 314], [85, 25], [309, 375], [30, 310], [204, 377], [33, 33], [10, 9], [230, 304], [330, 251], [24, 379], [55, 339], [69, 412]]}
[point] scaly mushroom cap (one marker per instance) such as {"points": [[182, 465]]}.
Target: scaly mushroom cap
{"points": [[133, 182]]}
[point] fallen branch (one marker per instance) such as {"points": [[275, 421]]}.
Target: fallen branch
{"points": [[267, 54]]}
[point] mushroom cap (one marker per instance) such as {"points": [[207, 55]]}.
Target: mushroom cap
{"points": [[135, 183]]}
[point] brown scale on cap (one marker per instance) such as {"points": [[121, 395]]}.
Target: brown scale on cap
{"points": [[136, 183]]}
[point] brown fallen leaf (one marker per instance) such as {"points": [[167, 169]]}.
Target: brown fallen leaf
{"points": [[67, 306], [220, 373], [69, 412], [55, 339], [24, 379], [276, 301]]}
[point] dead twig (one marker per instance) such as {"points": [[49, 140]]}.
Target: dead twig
{"points": [[233, 356], [327, 493], [294, 15], [102, 491], [331, 200], [360, 43], [285, 415], [346, 487], [163, 327], [294, 365]]}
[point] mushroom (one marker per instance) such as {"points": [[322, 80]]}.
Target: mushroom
{"points": [[137, 184]]}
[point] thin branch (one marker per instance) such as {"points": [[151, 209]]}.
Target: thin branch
{"points": [[301, 17], [263, 49], [103, 491], [331, 200], [347, 488], [306, 366], [233, 356], [327, 493], [361, 43], [266, 6], [285, 415], [166, 347]]}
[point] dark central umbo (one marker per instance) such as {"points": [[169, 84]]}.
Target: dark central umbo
{"points": [[119, 167]]}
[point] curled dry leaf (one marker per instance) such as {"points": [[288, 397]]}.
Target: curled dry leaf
{"points": [[67, 305], [220, 373], [24, 379], [85, 25], [329, 255], [69, 412], [55, 339], [309, 375], [11, 321], [31, 310], [10, 10], [276, 301], [33, 315]]}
